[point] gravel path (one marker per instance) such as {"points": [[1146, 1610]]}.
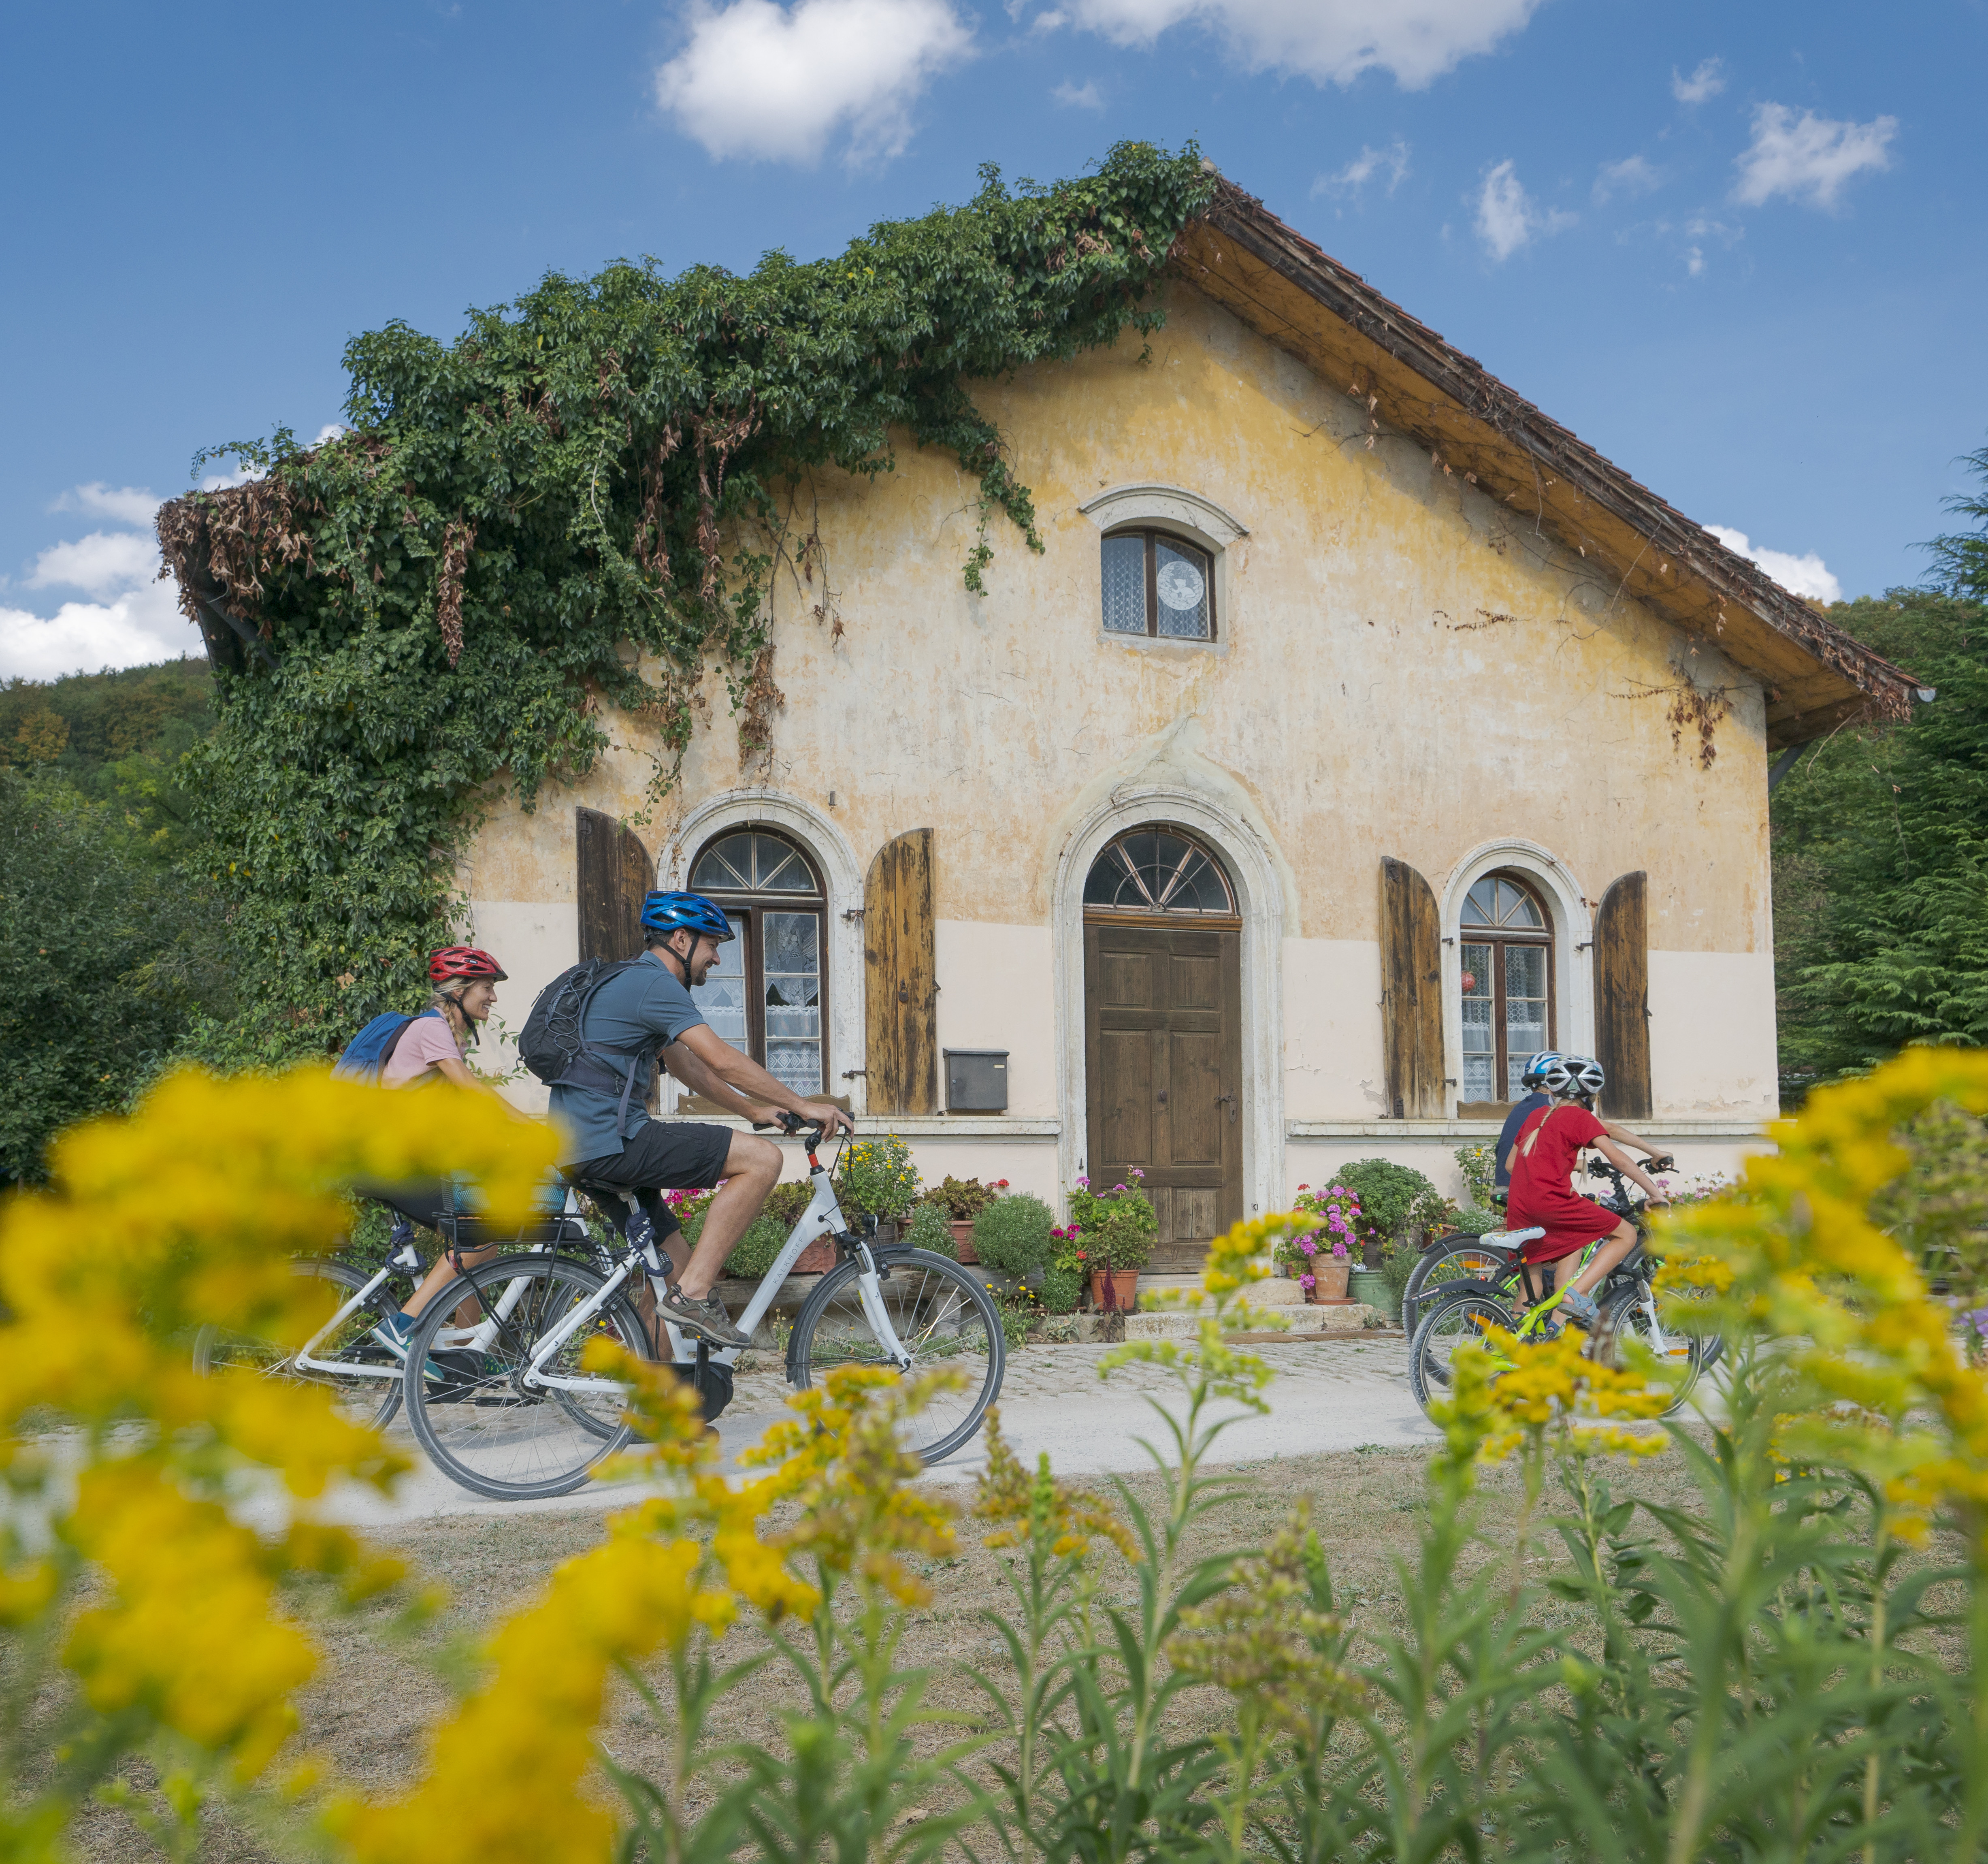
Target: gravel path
{"points": [[1338, 1395]]}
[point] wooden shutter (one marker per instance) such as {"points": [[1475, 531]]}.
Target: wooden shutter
{"points": [[1410, 994], [1622, 997], [901, 1000], [614, 872]]}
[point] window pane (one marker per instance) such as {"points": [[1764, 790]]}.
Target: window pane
{"points": [[779, 868], [1125, 585], [726, 865], [1180, 580], [1516, 907], [792, 965], [721, 998], [1525, 1009], [1480, 903]]}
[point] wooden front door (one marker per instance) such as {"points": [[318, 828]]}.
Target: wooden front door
{"points": [[1163, 1011]]}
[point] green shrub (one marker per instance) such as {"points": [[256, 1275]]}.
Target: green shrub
{"points": [[1062, 1289], [1012, 1233], [930, 1230], [1387, 1193], [1471, 1223]]}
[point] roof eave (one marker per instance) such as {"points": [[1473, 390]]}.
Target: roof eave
{"points": [[1816, 675]]}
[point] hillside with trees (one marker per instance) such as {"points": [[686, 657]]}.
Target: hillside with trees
{"points": [[111, 944]]}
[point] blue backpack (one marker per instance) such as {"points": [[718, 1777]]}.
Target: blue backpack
{"points": [[370, 1051]]}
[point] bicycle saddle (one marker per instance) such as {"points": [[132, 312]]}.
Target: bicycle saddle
{"points": [[1510, 1239]]}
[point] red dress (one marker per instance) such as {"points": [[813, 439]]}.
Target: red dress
{"points": [[1542, 1194]]}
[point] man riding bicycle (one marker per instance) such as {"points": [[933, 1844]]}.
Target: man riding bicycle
{"points": [[646, 1010], [1542, 1195]]}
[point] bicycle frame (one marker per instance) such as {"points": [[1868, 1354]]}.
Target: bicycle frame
{"points": [[822, 1217], [408, 1260]]}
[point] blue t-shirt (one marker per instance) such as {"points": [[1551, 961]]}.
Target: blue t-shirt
{"points": [[1508, 1135], [643, 1007]]}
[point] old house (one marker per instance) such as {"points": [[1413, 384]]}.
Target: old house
{"points": [[1358, 731]]}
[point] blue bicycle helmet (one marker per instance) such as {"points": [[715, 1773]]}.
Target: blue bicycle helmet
{"points": [[668, 912], [1534, 1072]]}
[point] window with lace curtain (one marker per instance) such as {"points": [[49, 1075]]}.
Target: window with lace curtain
{"points": [[1158, 585], [766, 994], [1506, 939]]}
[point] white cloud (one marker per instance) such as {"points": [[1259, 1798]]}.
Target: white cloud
{"points": [[1050, 22], [1631, 176], [1086, 96], [1808, 157], [1415, 40], [1363, 168], [766, 82], [1707, 81], [1802, 575], [140, 626], [1508, 217], [1694, 260], [127, 504], [99, 564]]}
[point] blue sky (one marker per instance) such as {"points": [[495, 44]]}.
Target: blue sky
{"points": [[1739, 249]]}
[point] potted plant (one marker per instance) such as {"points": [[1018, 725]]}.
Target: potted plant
{"points": [[962, 1199], [877, 1178], [1322, 1258], [1119, 1227], [1386, 1192], [1011, 1235]]}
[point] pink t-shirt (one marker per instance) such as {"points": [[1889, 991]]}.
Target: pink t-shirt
{"points": [[425, 1041]]}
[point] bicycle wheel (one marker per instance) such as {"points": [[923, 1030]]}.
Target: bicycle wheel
{"points": [[1464, 1260], [941, 1315], [483, 1424], [364, 1376], [1680, 1363], [1453, 1323]]}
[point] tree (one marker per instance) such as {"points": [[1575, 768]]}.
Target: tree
{"points": [[107, 956], [1880, 884]]}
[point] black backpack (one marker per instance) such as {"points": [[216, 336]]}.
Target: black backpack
{"points": [[552, 1046]]}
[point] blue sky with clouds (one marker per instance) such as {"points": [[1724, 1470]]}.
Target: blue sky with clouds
{"points": [[1739, 249]]}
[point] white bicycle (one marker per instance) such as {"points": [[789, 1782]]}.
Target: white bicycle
{"points": [[514, 1415]]}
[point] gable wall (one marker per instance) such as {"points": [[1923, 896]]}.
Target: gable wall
{"points": [[1405, 669]]}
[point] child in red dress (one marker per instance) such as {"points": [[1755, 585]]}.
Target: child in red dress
{"points": [[1542, 1195]]}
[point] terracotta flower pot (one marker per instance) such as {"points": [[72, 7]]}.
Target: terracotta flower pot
{"points": [[817, 1259], [1114, 1288], [962, 1240], [1330, 1274]]}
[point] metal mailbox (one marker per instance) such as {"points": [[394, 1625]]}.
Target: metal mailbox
{"points": [[976, 1080]]}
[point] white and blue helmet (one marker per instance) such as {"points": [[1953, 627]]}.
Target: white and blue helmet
{"points": [[1571, 1076]]}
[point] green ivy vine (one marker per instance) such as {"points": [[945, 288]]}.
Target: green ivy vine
{"points": [[445, 597]]}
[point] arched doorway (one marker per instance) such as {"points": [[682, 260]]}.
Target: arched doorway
{"points": [[1163, 1017]]}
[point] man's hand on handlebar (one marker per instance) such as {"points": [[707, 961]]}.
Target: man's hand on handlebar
{"points": [[824, 1114]]}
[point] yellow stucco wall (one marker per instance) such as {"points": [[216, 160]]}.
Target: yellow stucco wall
{"points": [[1404, 668]]}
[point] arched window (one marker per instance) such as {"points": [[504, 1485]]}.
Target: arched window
{"points": [[1159, 871], [1159, 585], [1508, 1007], [765, 995]]}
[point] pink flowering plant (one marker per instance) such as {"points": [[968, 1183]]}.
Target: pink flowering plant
{"points": [[1119, 1226], [1067, 1253], [1337, 1210]]}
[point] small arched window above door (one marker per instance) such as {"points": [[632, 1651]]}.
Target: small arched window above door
{"points": [[766, 995], [1159, 871], [1506, 944]]}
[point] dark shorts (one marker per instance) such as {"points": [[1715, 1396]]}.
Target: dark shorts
{"points": [[662, 1155]]}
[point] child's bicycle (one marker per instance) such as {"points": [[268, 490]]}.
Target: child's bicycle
{"points": [[1458, 1316], [517, 1414]]}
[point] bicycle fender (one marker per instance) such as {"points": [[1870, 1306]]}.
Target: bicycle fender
{"points": [[1448, 1290]]}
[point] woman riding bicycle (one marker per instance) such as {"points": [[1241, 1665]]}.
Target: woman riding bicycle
{"points": [[1542, 1195], [435, 1046]]}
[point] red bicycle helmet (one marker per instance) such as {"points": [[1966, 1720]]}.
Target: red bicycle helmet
{"points": [[464, 960]]}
